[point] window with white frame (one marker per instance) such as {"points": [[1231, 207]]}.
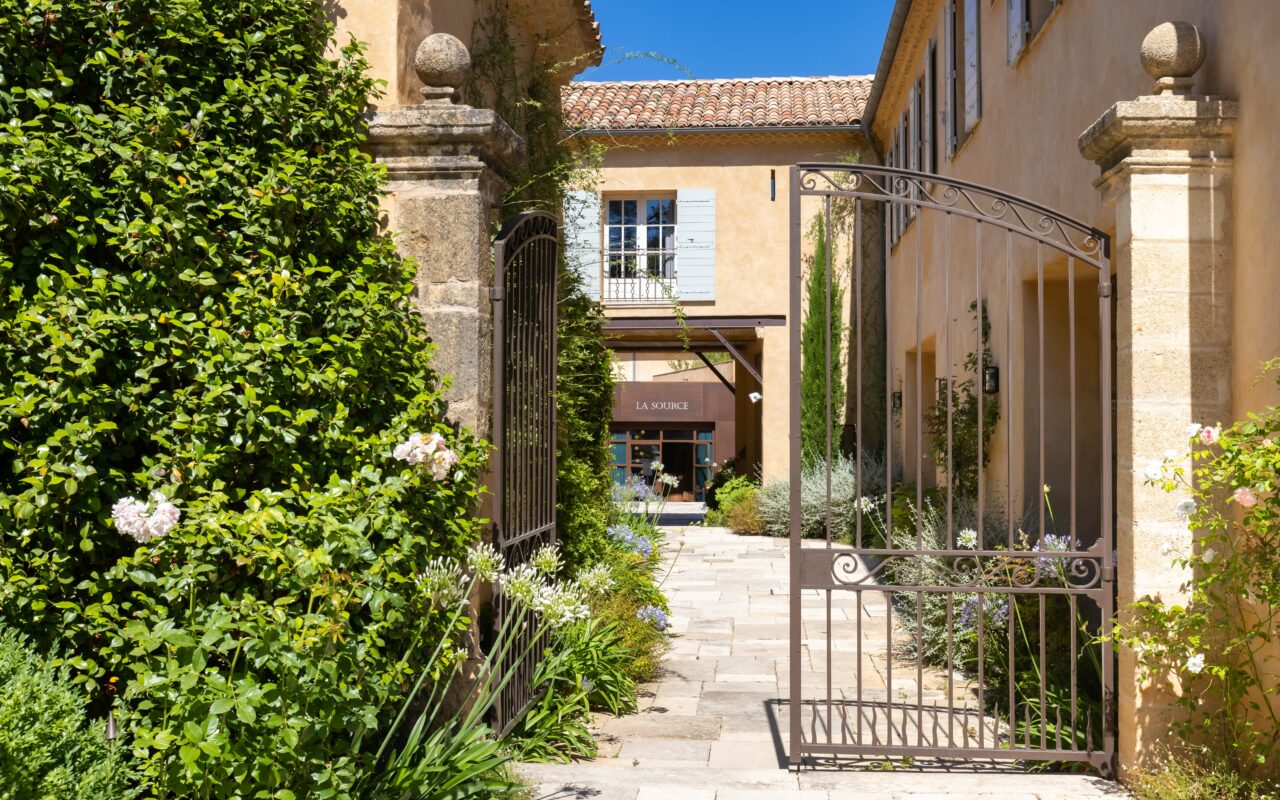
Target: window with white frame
{"points": [[640, 238], [1025, 18], [962, 62]]}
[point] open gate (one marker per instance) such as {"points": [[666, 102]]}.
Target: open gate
{"points": [[951, 597], [525, 263]]}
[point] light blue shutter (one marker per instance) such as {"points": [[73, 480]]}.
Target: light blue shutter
{"points": [[696, 244], [1017, 28], [582, 239], [972, 67], [949, 115]]}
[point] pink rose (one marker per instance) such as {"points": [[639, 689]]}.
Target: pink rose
{"points": [[1210, 434], [1246, 497]]}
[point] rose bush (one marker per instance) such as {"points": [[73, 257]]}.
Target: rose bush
{"points": [[1219, 645]]}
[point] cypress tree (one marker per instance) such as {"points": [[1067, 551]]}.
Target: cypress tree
{"points": [[820, 319]]}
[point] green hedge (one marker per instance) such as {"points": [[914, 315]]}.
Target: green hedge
{"points": [[195, 300]]}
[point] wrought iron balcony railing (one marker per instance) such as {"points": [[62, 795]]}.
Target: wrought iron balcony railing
{"points": [[638, 278]]}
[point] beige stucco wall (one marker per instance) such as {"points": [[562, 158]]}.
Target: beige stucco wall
{"points": [[1081, 62], [752, 246]]}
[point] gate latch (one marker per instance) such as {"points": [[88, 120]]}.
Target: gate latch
{"points": [[497, 294]]}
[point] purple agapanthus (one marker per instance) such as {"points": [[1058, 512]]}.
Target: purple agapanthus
{"points": [[634, 489], [1052, 543], [635, 542], [995, 611], [654, 615]]}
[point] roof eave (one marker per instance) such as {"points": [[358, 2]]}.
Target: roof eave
{"points": [[855, 127], [892, 39]]}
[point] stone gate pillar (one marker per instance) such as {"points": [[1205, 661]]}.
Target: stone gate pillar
{"points": [[448, 165], [1166, 169]]}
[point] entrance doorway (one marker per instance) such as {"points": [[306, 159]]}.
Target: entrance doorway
{"points": [[684, 453]]}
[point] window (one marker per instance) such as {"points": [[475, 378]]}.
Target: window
{"points": [[641, 238], [962, 60], [930, 143], [1025, 19]]}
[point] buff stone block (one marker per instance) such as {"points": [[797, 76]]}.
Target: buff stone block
{"points": [[1166, 169]]}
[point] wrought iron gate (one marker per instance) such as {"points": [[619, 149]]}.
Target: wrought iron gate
{"points": [[525, 260], [952, 595]]}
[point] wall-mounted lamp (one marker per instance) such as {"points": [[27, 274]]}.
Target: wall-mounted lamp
{"points": [[942, 390], [755, 397], [773, 185], [897, 400], [991, 380]]}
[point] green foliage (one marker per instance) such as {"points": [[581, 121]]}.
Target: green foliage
{"points": [[821, 385], [951, 422], [195, 300], [1189, 774], [722, 476], [594, 651], [1218, 642], [47, 747], [815, 509], [739, 506]]}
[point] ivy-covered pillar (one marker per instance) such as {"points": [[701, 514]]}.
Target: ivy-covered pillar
{"points": [[447, 166], [1166, 169]]}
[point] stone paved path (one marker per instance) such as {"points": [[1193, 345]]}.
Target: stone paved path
{"points": [[713, 727]]}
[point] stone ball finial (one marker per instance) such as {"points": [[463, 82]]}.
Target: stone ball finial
{"points": [[442, 63], [1172, 53]]}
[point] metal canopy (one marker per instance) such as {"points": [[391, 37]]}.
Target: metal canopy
{"points": [[717, 326]]}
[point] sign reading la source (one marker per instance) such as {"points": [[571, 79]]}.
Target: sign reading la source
{"points": [[662, 405]]}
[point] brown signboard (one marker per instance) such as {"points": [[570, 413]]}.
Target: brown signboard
{"points": [[658, 402]]}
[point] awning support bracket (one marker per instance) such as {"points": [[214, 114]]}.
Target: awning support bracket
{"points": [[716, 372], [737, 356]]}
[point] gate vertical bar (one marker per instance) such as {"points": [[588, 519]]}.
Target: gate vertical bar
{"points": [[795, 753]]}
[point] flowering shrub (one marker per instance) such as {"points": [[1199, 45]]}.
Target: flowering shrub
{"points": [[195, 302], [637, 543], [1218, 644], [654, 616]]}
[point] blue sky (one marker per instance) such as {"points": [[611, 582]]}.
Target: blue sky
{"points": [[739, 38]]}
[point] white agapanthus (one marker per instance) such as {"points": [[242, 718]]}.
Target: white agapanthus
{"points": [[485, 561], [656, 465], [968, 538], [670, 480], [520, 583], [866, 504], [546, 560], [1195, 663], [145, 521], [443, 581], [596, 580], [559, 605], [429, 449]]}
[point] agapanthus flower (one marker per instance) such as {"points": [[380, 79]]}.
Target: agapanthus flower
{"points": [[546, 560], [597, 580], [1052, 543], [559, 605], [865, 504], [635, 542], [145, 521], [653, 615], [670, 480], [520, 583], [655, 465], [1195, 663], [485, 561], [442, 580], [995, 611], [967, 538], [1246, 497]]}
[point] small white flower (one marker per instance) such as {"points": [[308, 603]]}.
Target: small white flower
{"points": [[1185, 509], [968, 538], [559, 605], [670, 480], [1246, 497], [145, 521], [429, 449], [1154, 471], [656, 465], [1171, 455], [1193, 430], [1195, 663], [1208, 555], [443, 582]]}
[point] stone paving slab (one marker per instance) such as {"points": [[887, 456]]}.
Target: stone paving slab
{"points": [[712, 725]]}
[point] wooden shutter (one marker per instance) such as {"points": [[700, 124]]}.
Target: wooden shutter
{"points": [[949, 73], [696, 244], [929, 128], [1018, 26], [972, 66], [582, 239]]}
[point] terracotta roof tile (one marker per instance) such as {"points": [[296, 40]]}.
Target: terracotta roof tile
{"points": [[745, 103]]}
